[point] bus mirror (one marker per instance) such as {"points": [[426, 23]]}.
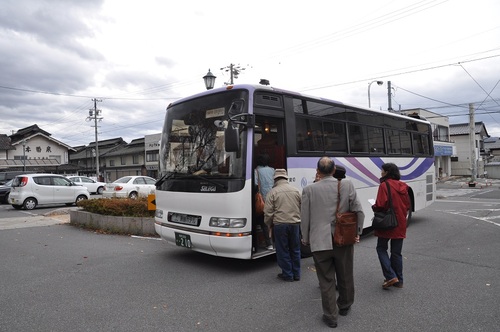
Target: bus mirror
{"points": [[236, 108], [231, 138], [245, 119]]}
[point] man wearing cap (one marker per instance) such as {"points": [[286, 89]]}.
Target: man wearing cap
{"points": [[282, 215], [318, 214]]}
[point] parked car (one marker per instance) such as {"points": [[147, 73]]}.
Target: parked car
{"points": [[94, 187], [30, 190], [4, 192], [9, 175], [130, 186]]}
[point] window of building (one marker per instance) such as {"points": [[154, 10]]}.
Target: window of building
{"points": [[152, 156]]}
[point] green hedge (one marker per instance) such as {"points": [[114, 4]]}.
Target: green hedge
{"points": [[125, 207]]}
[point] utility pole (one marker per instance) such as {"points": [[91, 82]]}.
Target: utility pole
{"points": [[95, 114], [389, 96], [234, 71], [472, 141]]}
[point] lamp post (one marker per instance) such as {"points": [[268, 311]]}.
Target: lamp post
{"points": [[24, 155], [209, 79], [369, 85]]}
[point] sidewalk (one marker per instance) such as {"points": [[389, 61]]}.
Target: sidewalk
{"points": [[56, 217], [459, 186], [463, 182]]}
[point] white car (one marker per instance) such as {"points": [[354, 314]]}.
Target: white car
{"points": [[29, 190], [93, 186], [130, 186]]}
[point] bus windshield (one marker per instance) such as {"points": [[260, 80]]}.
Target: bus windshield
{"points": [[193, 142]]}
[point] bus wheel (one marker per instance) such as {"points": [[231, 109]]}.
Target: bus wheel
{"points": [[408, 217]]}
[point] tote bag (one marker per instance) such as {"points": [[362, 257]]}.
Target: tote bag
{"points": [[259, 203], [387, 219], [346, 226], [259, 200]]}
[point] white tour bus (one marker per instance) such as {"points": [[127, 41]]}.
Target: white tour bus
{"points": [[204, 197]]}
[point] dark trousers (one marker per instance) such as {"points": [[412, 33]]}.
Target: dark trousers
{"points": [[287, 242], [335, 266], [392, 267]]}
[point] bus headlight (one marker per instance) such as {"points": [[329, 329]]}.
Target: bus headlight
{"points": [[159, 214], [228, 222]]}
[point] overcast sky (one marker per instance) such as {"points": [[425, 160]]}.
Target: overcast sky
{"points": [[138, 56]]}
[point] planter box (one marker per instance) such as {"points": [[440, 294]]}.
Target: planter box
{"points": [[113, 224]]}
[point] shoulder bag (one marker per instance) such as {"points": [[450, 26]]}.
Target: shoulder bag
{"points": [[385, 220], [259, 200], [346, 226]]}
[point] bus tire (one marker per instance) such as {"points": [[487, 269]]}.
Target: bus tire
{"points": [[408, 217]]}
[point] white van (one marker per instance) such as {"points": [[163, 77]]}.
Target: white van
{"points": [[30, 190]]}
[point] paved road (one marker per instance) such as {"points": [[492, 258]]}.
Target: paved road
{"points": [[61, 278]]}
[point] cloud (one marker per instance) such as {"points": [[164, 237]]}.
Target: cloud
{"points": [[137, 57]]}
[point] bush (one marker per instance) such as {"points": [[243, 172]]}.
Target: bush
{"points": [[124, 207]]}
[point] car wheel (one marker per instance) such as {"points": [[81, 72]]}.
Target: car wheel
{"points": [[17, 207], [80, 198], [100, 190], [133, 195], [30, 203]]}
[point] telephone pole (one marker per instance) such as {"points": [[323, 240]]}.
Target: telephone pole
{"points": [[95, 114], [389, 96], [472, 141], [234, 71]]}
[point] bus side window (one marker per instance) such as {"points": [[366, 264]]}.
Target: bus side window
{"points": [[358, 139]]}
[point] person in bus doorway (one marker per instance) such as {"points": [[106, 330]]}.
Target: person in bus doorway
{"points": [[264, 181], [282, 214], [333, 264], [392, 267]]}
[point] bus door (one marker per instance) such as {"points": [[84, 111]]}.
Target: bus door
{"points": [[268, 140]]}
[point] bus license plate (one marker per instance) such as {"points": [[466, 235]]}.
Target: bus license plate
{"points": [[183, 240]]}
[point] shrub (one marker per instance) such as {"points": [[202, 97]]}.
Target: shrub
{"points": [[124, 207]]}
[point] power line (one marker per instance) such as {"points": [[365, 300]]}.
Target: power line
{"points": [[398, 74]]}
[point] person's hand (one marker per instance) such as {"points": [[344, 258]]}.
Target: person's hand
{"points": [[304, 242], [356, 239]]}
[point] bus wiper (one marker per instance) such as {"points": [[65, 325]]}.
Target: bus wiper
{"points": [[164, 178], [193, 176]]}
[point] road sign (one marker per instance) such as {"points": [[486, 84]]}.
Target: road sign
{"points": [[152, 202]]}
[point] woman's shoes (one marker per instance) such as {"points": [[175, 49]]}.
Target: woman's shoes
{"points": [[389, 283]]}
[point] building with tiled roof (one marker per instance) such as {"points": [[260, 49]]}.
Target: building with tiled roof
{"points": [[33, 149], [5, 146]]}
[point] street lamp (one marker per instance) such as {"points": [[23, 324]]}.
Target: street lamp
{"points": [[209, 79], [369, 85]]}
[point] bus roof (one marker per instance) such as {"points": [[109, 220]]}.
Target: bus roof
{"points": [[255, 87]]}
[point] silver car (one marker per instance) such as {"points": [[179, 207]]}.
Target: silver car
{"points": [[94, 187], [130, 187], [30, 190]]}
